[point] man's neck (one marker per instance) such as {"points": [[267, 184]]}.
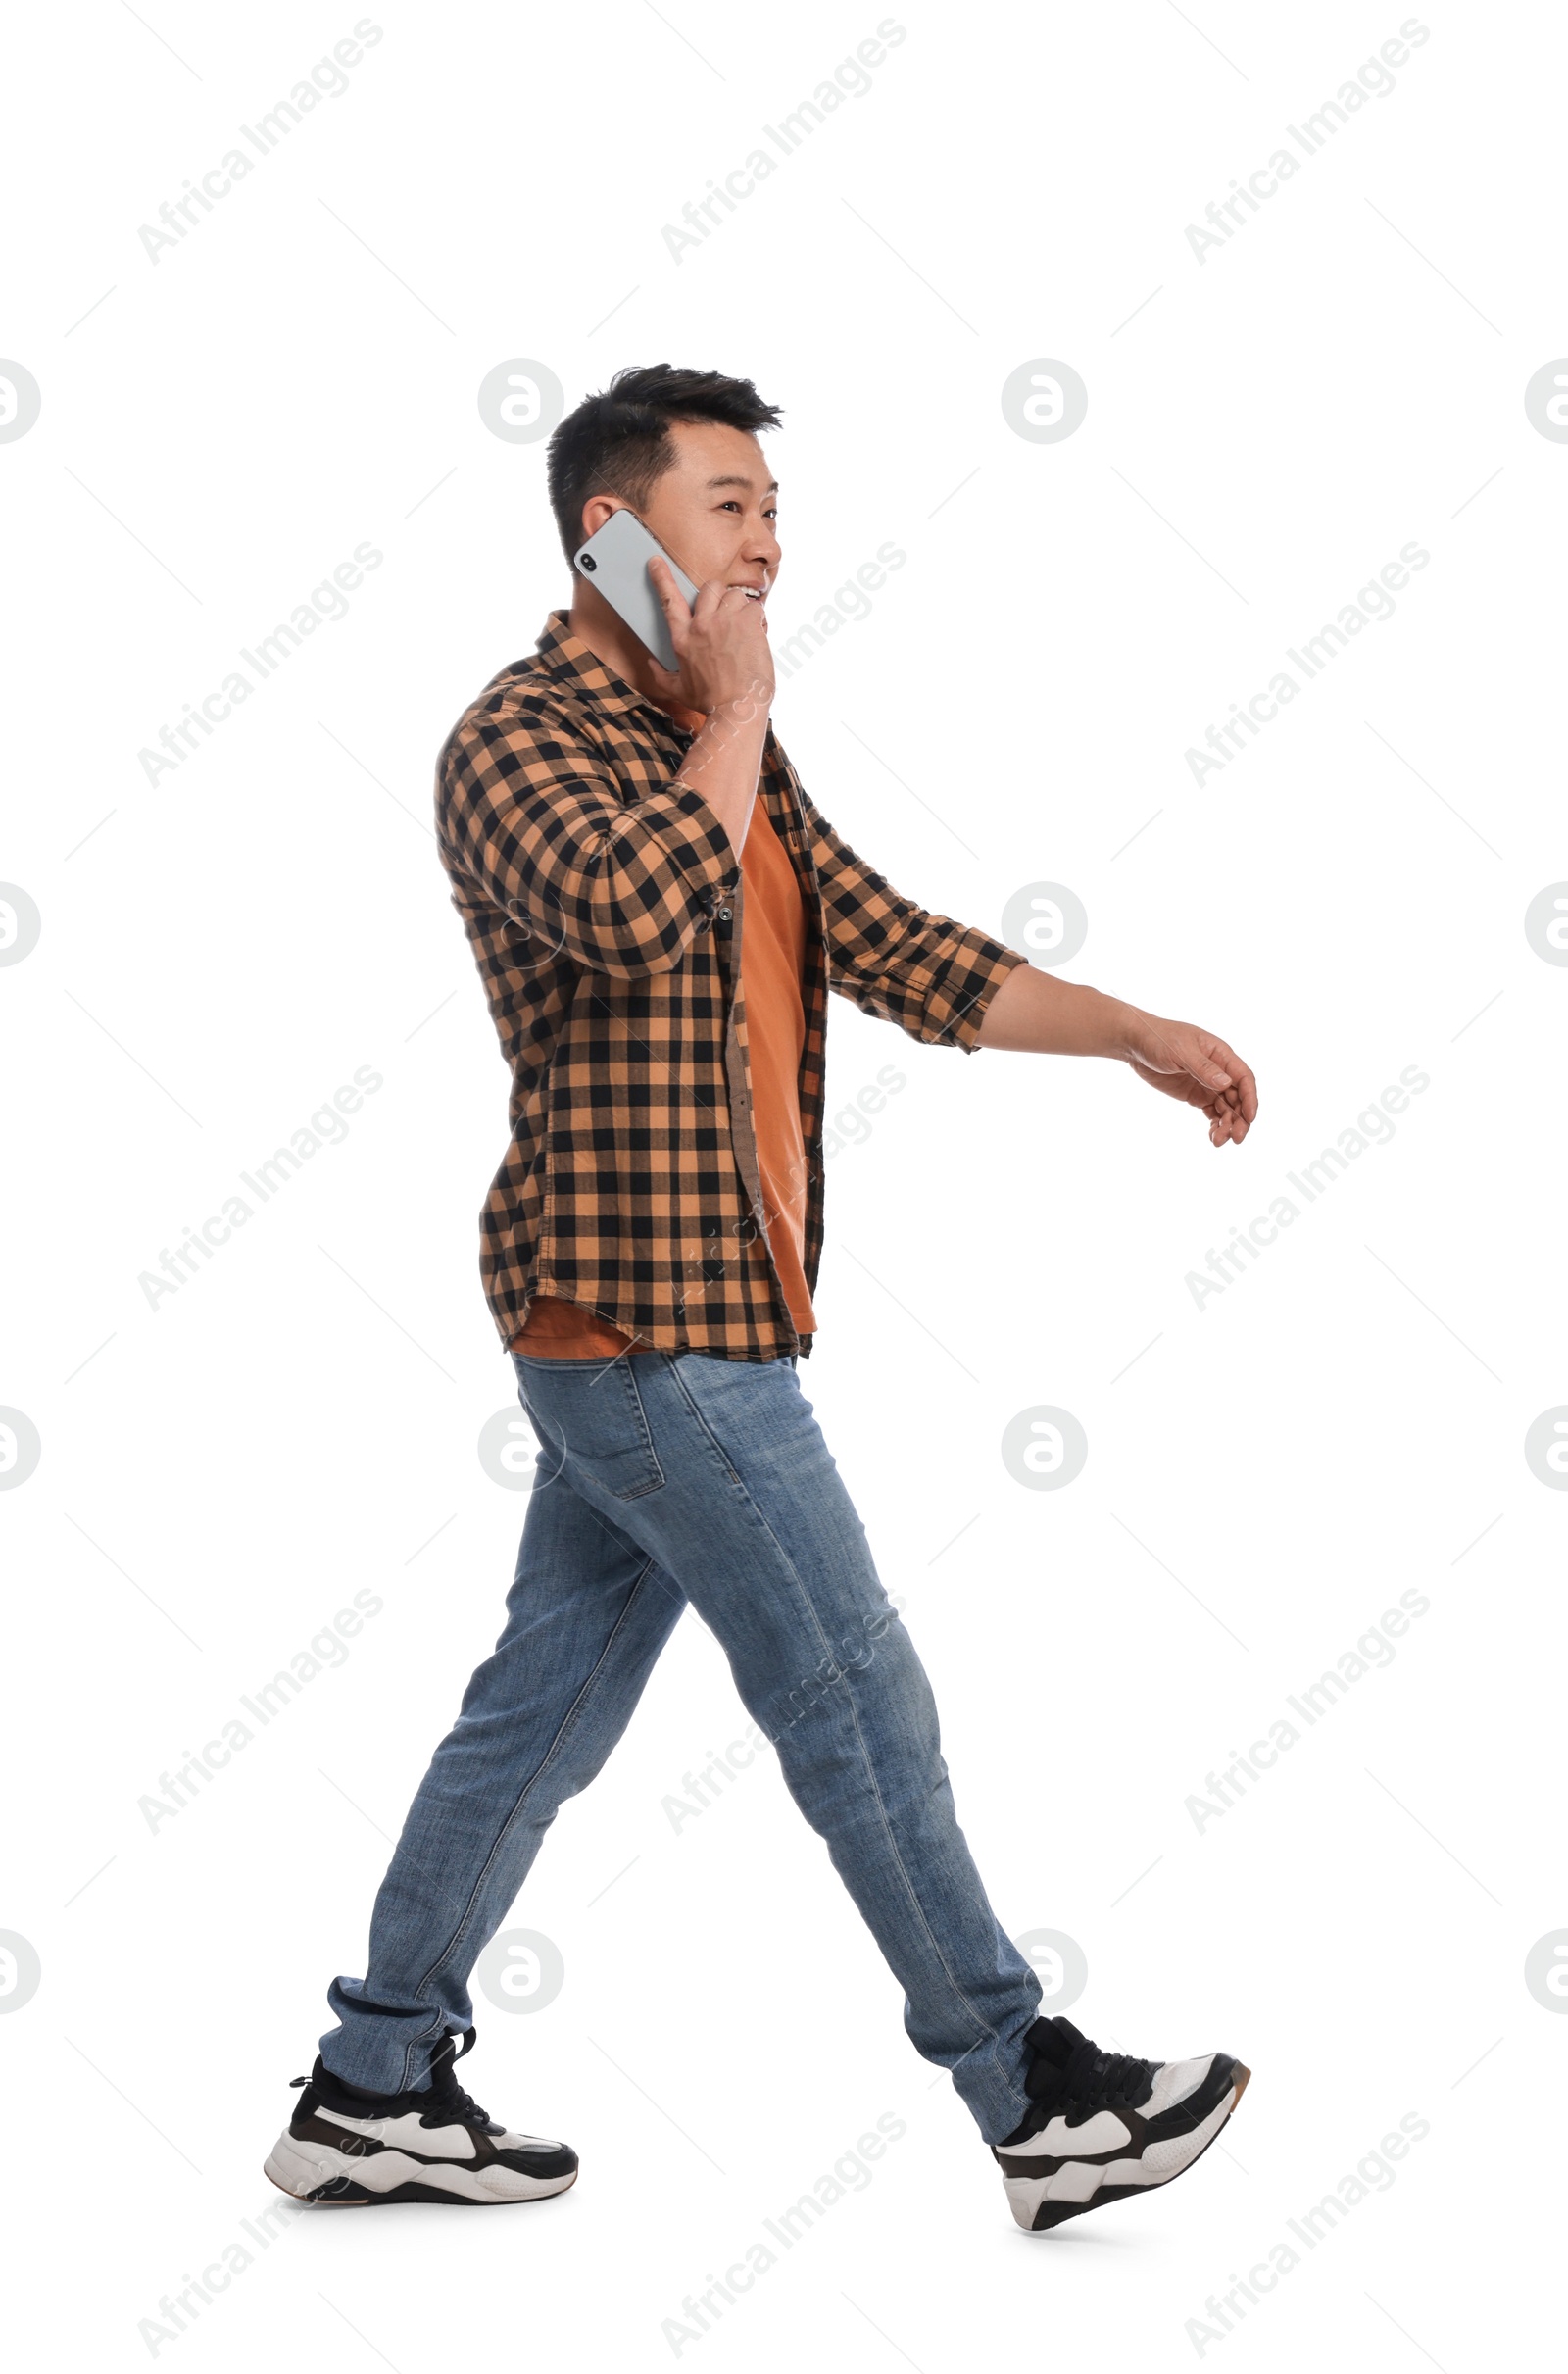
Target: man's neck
{"points": [[621, 652]]}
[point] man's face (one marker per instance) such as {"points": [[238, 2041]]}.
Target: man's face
{"points": [[716, 509]]}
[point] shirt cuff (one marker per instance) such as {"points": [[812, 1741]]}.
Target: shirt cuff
{"points": [[977, 970]]}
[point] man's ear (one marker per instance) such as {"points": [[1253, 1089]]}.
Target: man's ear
{"points": [[596, 510]]}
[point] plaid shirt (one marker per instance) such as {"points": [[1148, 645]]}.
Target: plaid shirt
{"points": [[605, 907]]}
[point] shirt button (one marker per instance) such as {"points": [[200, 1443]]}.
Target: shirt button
{"points": [[725, 915]]}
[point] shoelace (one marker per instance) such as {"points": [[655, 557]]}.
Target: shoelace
{"points": [[450, 2104], [454, 2103], [1098, 2080]]}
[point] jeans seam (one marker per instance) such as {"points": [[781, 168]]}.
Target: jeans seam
{"points": [[645, 1432], [700, 1417], [987, 2030], [543, 1767]]}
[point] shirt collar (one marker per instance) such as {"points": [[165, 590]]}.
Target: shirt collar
{"points": [[568, 658]]}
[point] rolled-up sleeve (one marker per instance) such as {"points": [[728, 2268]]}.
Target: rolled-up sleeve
{"points": [[540, 824], [932, 976]]}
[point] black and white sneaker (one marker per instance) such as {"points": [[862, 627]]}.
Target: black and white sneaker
{"points": [[1103, 2126], [345, 2148]]}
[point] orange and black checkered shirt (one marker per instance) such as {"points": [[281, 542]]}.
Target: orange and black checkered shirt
{"points": [[605, 907]]}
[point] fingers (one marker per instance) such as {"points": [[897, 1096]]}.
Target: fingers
{"points": [[710, 594], [1228, 1123], [1228, 1111], [675, 609], [677, 618], [1207, 1061], [1242, 1088], [1218, 1069], [1211, 1061]]}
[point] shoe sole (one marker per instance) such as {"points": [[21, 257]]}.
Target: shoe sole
{"points": [[347, 2191], [1053, 2213]]}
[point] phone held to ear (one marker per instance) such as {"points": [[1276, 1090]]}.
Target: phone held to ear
{"points": [[615, 560]]}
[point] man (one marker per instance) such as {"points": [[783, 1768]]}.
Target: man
{"points": [[657, 912]]}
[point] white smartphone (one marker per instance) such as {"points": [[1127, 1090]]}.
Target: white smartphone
{"points": [[615, 559]]}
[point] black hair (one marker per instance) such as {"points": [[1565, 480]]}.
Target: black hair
{"points": [[618, 442]]}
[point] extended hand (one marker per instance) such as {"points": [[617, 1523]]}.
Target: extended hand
{"points": [[1197, 1069]]}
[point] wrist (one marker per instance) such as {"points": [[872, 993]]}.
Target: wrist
{"points": [[748, 706], [728, 717], [1123, 1029]]}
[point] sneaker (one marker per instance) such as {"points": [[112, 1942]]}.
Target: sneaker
{"points": [[1103, 2126], [346, 2148]]}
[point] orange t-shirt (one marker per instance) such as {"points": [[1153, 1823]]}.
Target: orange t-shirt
{"points": [[772, 970]]}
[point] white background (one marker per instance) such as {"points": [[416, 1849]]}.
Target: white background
{"points": [[220, 949]]}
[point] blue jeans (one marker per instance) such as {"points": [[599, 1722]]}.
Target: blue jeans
{"points": [[664, 1478]]}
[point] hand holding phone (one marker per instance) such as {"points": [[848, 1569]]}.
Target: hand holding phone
{"points": [[707, 644], [721, 646]]}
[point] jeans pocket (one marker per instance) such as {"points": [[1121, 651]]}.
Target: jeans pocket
{"points": [[594, 1413]]}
